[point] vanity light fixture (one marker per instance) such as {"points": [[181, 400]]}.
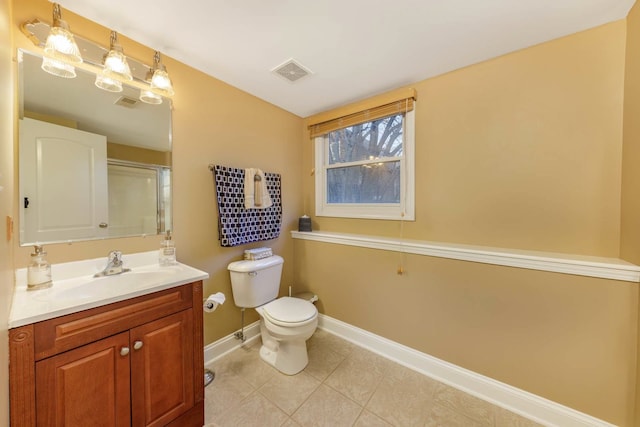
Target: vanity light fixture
{"points": [[61, 47], [146, 95], [58, 68], [115, 63], [115, 67], [160, 81], [112, 67], [108, 83]]}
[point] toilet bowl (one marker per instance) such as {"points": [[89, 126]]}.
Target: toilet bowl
{"points": [[285, 326], [286, 323]]}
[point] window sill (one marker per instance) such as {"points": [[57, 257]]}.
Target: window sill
{"points": [[606, 268]]}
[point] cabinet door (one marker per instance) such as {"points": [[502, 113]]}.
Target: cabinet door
{"points": [[87, 386], [162, 385]]}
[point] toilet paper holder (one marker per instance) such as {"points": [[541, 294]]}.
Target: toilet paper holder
{"points": [[211, 303]]}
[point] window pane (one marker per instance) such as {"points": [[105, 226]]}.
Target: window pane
{"points": [[371, 140], [375, 183]]}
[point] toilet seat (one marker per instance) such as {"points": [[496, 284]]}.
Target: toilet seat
{"points": [[288, 311]]}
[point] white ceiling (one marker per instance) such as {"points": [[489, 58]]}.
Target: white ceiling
{"points": [[355, 48]]}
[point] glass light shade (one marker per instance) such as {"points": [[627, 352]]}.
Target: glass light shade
{"points": [[107, 83], [161, 82], [115, 64], [61, 45], [149, 97], [58, 68]]}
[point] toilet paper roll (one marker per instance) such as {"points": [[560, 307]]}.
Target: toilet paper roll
{"points": [[213, 301]]}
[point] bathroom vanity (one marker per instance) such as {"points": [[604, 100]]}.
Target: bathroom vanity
{"points": [[119, 351]]}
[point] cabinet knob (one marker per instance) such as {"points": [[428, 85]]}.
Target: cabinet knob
{"points": [[137, 345], [124, 351]]}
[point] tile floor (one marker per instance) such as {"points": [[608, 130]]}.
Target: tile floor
{"points": [[343, 385]]}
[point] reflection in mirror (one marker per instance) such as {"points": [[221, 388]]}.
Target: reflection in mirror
{"points": [[93, 164]]}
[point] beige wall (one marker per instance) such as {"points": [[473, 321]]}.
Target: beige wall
{"points": [[630, 215], [522, 151], [6, 201], [630, 223], [212, 123], [234, 129], [567, 338]]}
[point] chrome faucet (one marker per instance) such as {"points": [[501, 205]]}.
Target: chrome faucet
{"points": [[114, 265]]}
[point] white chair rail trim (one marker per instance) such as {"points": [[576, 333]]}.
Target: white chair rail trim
{"points": [[606, 268]]}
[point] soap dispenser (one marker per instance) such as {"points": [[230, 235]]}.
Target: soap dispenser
{"points": [[167, 253], [39, 270]]}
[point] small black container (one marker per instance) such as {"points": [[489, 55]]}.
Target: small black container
{"points": [[304, 223]]}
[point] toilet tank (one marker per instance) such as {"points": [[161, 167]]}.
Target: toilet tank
{"points": [[255, 283]]}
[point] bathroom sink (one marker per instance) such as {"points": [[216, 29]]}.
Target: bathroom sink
{"points": [[75, 288], [134, 277], [105, 286]]}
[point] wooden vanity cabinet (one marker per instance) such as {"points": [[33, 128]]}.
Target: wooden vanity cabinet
{"points": [[162, 380], [88, 385], [133, 363]]}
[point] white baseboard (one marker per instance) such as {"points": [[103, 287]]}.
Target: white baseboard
{"points": [[528, 405], [225, 345]]}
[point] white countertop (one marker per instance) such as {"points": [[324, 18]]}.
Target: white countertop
{"points": [[75, 289]]}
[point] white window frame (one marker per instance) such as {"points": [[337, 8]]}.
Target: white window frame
{"points": [[405, 210]]}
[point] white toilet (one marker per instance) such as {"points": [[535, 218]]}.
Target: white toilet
{"points": [[286, 323]]}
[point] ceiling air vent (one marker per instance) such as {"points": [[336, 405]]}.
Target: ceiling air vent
{"points": [[291, 70], [125, 101]]}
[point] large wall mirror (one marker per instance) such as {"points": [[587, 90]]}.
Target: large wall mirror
{"points": [[93, 164]]}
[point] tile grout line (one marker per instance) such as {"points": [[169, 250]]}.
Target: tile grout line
{"points": [[234, 358]]}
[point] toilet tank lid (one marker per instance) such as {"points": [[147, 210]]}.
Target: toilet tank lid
{"points": [[246, 266]]}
